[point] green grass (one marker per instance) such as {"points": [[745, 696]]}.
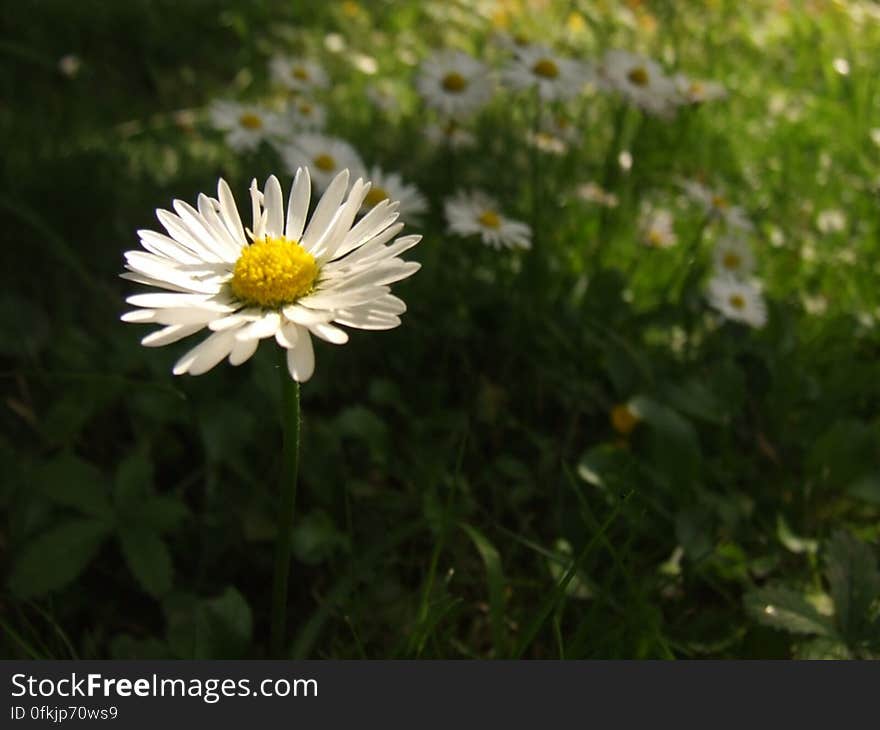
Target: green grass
{"points": [[462, 492]]}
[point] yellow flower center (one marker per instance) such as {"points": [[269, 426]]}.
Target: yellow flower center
{"points": [[546, 68], [521, 40], [720, 202], [306, 108], [731, 260], [623, 420], [490, 219], [696, 89], [737, 301], [454, 82], [249, 120], [375, 196], [655, 237], [325, 162], [272, 272], [300, 73], [638, 76]]}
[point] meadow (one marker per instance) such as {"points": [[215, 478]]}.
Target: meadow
{"points": [[631, 406]]}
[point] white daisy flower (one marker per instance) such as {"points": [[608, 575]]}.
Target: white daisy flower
{"points": [[454, 83], [245, 125], [305, 115], [324, 156], [831, 221], [717, 205], [390, 186], [740, 301], [290, 281], [733, 257], [692, 91], [658, 228], [592, 192], [449, 133], [640, 81], [297, 74], [476, 213], [384, 95], [555, 77]]}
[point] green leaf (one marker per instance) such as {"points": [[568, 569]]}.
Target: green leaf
{"points": [[823, 648], [854, 582], [57, 557], [148, 559], [162, 513], [675, 448], [316, 538], [793, 542], [213, 628], [866, 488], [785, 609], [134, 480], [69, 481], [495, 581]]}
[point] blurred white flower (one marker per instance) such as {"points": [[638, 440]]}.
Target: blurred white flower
{"points": [[449, 133], [289, 282], [841, 65], [555, 77], [384, 95], [70, 65], [245, 125], [475, 213], [454, 83], [732, 256], [657, 229], [593, 193], [740, 301], [717, 205], [640, 81], [297, 74], [305, 115], [325, 157], [391, 186], [693, 91], [831, 221]]}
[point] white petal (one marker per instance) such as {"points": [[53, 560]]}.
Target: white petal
{"points": [[298, 207], [235, 320], [266, 326], [229, 212], [287, 335], [329, 333], [301, 359], [206, 354], [139, 315], [164, 300], [169, 334], [242, 351], [325, 211], [302, 315], [274, 202], [185, 315], [344, 298]]}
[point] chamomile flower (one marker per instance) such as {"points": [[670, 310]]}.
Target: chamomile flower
{"points": [[296, 277], [245, 125], [640, 81], [657, 228], [692, 91], [325, 157], [733, 257], [717, 205], [449, 133], [555, 77], [454, 83], [740, 301], [390, 186], [475, 213], [297, 74], [305, 115]]}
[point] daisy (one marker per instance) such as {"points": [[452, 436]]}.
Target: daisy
{"points": [[449, 133], [717, 205], [657, 228], [390, 186], [740, 301], [733, 257], [538, 67], [290, 281], [640, 81], [384, 96], [245, 125], [454, 83], [469, 214], [297, 74], [304, 114], [324, 156], [592, 192], [692, 91]]}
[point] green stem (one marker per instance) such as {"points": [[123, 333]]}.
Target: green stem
{"points": [[290, 423]]}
